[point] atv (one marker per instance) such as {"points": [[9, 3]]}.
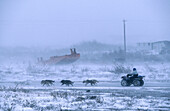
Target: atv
{"points": [[130, 79]]}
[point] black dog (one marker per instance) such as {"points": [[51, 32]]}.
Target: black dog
{"points": [[92, 82], [67, 82], [47, 82]]}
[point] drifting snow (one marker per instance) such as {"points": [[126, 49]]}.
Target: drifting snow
{"points": [[21, 89]]}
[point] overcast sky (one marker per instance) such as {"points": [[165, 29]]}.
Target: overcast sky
{"points": [[61, 23]]}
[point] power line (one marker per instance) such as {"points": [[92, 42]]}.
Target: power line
{"points": [[124, 28]]}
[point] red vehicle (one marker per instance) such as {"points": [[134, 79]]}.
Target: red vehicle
{"points": [[66, 59]]}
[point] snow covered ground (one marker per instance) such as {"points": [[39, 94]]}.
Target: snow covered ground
{"points": [[102, 72], [20, 87]]}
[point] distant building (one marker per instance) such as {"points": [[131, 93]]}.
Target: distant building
{"points": [[162, 47], [145, 46]]}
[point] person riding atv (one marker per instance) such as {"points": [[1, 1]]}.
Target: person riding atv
{"points": [[133, 74], [132, 78]]}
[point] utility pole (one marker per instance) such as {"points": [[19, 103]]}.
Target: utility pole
{"points": [[124, 27]]}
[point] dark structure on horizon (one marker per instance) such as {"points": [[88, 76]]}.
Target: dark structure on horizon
{"points": [[162, 47]]}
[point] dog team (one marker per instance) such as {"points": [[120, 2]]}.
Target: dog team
{"points": [[68, 82]]}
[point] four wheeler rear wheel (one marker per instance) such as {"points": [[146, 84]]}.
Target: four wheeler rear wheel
{"points": [[124, 83], [141, 82], [136, 83]]}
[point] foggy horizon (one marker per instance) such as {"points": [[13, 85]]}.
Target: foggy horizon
{"points": [[71, 55], [64, 23]]}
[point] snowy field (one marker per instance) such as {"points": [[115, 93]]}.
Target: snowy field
{"points": [[21, 89]]}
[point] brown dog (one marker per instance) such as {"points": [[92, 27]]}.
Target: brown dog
{"points": [[92, 82], [47, 82]]}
